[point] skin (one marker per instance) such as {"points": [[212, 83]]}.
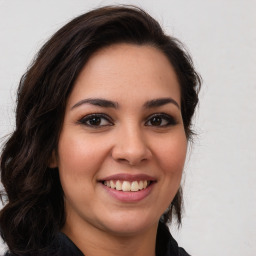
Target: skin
{"points": [[129, 141]]}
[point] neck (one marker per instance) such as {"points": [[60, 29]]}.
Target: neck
{"points": [[94, 241]]}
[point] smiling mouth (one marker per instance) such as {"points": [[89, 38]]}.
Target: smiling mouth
{"points": [[127, 186]]}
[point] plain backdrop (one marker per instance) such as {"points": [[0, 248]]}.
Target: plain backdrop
{"points": [[220, 174]]}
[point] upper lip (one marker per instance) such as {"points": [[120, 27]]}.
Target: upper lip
{"points": [[129, 177]]}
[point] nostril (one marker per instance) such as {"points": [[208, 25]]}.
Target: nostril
{"points": [[130, 150], [129, 162]]}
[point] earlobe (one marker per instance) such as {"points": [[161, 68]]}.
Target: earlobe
{"points": [[53, 163]]}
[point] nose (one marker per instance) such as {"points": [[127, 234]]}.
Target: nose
{"points": [[131, 147]]}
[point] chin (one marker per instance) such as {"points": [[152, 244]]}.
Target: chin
{"points": [[130, 224]]}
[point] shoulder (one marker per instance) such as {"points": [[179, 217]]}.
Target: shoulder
{"points": [[66, 247], [166, 245], [62, 246]]}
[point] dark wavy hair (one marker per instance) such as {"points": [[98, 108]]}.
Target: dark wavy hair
{"points": [[34, 210]]}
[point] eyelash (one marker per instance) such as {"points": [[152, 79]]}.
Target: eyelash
{"points": [[169, 120], [85, 120]]}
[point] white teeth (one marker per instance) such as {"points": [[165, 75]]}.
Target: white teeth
{"points": [[112, 184], [118, 185], [107, 183], [141, 184], [135, 186], [127, 186]]}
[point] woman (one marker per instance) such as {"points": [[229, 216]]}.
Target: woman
{"points": [[102, 123]]}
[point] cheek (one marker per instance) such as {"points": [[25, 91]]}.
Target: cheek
{"points": [[71, 154], [80, 159], [172, 155], [78, 152], [76, 162]]}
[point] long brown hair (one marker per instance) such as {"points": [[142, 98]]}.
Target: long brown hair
{"points": [[34, 212]]}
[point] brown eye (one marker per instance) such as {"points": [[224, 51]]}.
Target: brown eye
{"points": [[161, 120], [156, 121], [96, 120]]}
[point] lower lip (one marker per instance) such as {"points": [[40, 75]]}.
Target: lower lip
{"points": [[129, 196]]}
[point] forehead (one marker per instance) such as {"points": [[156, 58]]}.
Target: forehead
{"points": [[126, 70]]}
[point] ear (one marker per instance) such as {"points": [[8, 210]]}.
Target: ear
{"points": [[53, 163]]}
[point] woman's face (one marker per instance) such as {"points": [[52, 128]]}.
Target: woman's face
{"points": [[122, 146]]}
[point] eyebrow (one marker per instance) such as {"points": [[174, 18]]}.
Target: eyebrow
{"points": [[160, 102], [111, 104], [97, 102]]}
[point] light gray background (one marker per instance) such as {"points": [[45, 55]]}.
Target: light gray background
{"points": [[220, 176]]}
